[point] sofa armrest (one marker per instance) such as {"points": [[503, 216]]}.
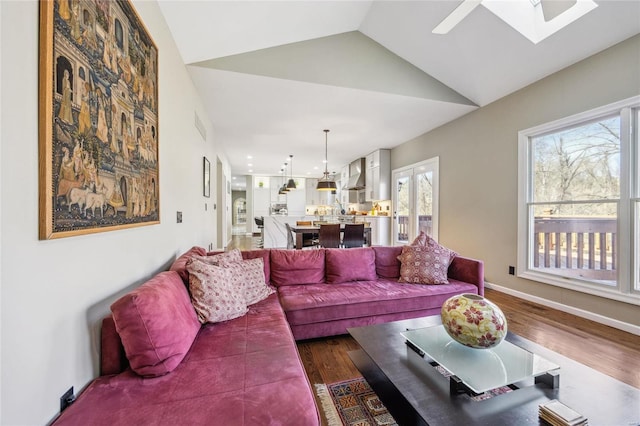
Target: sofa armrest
{"points": [[469, 271], [113, 359]]}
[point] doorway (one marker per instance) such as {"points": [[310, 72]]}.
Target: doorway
{"points": [[415, 201]]}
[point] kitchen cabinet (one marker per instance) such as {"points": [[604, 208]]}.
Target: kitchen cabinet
{"points": [[296, 200], [261, 204], [380, 230], [378, 175], [312, 194]]}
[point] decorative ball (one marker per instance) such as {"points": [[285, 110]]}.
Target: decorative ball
{"points": [[473, 321]]}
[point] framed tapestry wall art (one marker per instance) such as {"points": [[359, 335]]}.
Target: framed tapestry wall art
{"points": [[98, 119]]}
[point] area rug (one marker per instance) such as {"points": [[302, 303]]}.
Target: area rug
{"points": [[352, 403]]}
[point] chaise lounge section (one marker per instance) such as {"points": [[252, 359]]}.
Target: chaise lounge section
{"points": [[159, 365]]}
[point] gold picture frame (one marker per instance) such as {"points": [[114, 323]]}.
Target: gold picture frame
{"points": [[98, 119]]}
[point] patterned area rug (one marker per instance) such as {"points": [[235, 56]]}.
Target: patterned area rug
{"points": [[352, 403]]}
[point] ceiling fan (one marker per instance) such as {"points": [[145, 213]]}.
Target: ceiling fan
{"points": [[550, 9]]}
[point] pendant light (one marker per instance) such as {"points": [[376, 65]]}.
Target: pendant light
{"points": [[283, 189], [291, 184], [326, 183]]}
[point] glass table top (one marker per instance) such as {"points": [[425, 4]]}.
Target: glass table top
{"points": [[480, 369]]}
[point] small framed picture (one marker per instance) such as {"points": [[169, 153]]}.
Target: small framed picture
{"points": [[206, 177]]}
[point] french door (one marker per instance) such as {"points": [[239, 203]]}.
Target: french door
{"points": [[415, 201]]}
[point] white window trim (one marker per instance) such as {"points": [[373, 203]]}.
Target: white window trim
{"points": [[624, 291], [410, 170]]}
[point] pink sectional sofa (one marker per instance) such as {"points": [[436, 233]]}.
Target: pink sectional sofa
{"points": [[247, 371]]}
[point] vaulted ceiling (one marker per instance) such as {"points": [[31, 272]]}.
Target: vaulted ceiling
{"points": [[274, 74]]}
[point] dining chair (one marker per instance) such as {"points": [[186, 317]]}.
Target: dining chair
{"points": [[291, 242], [329, 236], [353, 235]]}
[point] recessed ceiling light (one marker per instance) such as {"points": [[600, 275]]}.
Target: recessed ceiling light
{"points": [[249, 157], [249, 165], [250, 171]]}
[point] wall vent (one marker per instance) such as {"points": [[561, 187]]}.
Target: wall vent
{"points": [[200, 127]]}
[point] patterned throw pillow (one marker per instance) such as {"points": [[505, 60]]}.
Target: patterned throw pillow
{"points": [[249, 274], [215, 294], [425, 264], [222, 259]]}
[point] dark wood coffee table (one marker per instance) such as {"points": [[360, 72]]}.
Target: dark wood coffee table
{"points": [[417, 394]]}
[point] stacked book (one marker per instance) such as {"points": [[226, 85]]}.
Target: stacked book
{"points": [[556, 413]]}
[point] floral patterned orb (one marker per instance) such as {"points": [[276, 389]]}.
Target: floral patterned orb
{"points": [[473, 321]]}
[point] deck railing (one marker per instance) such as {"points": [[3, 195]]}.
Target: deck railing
{"points": [[580, 246]]}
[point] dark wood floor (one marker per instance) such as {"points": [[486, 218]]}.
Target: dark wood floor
{"points": [[606, 349]]}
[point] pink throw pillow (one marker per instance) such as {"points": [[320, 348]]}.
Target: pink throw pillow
{"points": [[387, 263], [425, 264], [355, 264], [290, 267], [179, 265], [215, 294], [157, 324]]}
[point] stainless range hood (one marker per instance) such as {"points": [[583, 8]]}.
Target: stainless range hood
{"points": [[356, 175]]}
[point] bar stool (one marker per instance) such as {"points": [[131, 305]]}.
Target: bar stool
{"points": [[260, 223]]}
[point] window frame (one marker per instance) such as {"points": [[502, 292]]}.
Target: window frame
{"points": [[627, 288]]}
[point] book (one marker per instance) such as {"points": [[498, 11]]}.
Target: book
{"points": [[556, 413]]}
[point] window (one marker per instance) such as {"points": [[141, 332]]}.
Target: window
{"points": [[579, 205]]}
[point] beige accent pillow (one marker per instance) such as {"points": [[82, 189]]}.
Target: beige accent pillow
{"points": [[222, 259], [249, 275], [215, 294]]}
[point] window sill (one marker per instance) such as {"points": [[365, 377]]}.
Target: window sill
{"points": [[582, 287]]}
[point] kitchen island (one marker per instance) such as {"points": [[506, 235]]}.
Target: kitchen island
{"points": [[275, 230]]}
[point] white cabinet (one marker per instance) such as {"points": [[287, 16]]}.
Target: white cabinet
{"points": [[312, 193], [378, 175], [261, 204], [380, 230], [296, 202]]}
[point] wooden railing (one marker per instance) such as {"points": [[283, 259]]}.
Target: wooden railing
{"points": [[581, 246], [424, 224]]}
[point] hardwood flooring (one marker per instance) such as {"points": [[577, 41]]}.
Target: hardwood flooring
{"points": [[606, 349]]}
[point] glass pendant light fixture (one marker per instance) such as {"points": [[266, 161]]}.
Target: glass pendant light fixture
{"points": [[326, 183], [291, 184]]}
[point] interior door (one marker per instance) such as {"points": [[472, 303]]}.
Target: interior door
{"points": [[415, 201]]}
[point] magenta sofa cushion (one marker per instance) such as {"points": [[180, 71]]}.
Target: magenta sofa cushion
{"points": [[241, 372], [356, 264], [290, 267], [157, 324], [180, 264], [387, 263]]}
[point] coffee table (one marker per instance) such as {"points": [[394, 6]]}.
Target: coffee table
{"points": [[416, 393]]}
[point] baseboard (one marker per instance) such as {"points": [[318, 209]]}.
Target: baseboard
{"points": [[621, 325]]}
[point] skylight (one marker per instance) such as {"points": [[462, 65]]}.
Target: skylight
{"points": [[538, 19]]}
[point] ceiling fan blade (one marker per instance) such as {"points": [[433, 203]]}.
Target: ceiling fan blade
{"points": [[456, 16]]}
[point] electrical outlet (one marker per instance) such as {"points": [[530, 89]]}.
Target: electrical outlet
{"points": [[512, 270], [67, 399], [179, 217]]}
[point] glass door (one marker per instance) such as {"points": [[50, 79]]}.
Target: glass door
{"points": [[415, 201]]}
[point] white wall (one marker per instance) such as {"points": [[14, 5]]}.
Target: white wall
{"points": [[479, 167], [53, 293]]}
